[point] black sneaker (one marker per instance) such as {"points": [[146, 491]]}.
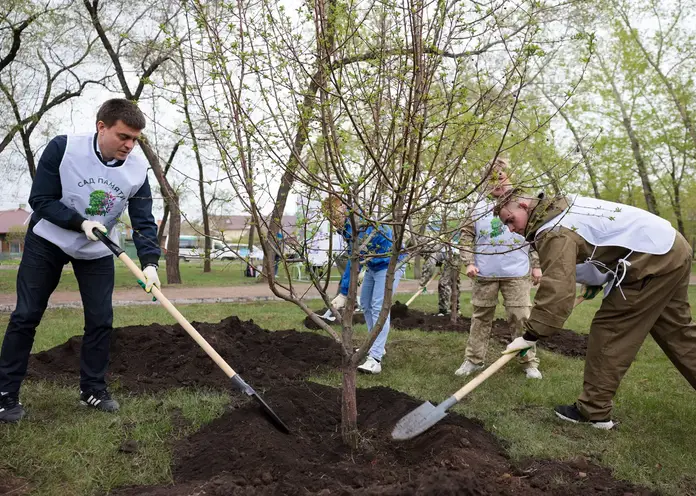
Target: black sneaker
{"points": [[101, 400], [11, 410], [570, 413]]}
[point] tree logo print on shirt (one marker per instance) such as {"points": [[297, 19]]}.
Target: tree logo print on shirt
{"points": [[497, 227], [100, 203]]}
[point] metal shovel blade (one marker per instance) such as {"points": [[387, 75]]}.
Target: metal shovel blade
{"points": [[418, 421], [271, 414], [245, 388]]}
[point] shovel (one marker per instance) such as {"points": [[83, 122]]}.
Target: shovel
{"points": [[423, 289], [237, 381], [425, 416]]}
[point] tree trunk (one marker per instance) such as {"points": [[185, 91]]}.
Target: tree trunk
{"points": [[650, 201], [583, 153], [678, 208], [172, 257], [172, 200], [26, 143], [201, 183], [581, 146], [641, 166], [163, 227], [679, 101], [349, 404]]}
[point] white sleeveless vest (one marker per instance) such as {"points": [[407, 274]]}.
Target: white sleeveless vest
{"points": [[494, 243], [97, 192], [604, 223]]}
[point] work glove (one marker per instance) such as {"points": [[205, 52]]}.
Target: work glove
{"points": [[589, 292], [339, 302], [361, 277], [151, 278], [87, 227], [519, 345]]}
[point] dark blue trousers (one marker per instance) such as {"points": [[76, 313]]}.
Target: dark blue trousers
{"points": [[38, 275]]}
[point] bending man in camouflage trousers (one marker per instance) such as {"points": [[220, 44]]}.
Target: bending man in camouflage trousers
{"points": [[449, 277], [495, 265]]}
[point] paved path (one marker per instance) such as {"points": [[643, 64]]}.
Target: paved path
{"points": [[229, 294]]}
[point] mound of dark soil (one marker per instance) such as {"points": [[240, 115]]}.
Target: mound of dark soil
{"points": [[155, 357], [565, 341], [240, 454]]}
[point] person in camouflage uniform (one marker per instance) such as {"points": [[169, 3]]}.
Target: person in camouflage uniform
{"points": [[644, 265], [495, 265], [446, 259]]}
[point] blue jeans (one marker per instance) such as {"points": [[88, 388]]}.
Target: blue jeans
{"points": [[38, 275], [371, 299]]}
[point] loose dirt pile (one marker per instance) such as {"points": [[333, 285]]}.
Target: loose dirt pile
{"points": [[565, 342], [155, 357], [238, 454]]}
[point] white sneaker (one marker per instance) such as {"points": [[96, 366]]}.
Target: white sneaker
{"points": [[467, 368], [532, 373], [370, 366]]}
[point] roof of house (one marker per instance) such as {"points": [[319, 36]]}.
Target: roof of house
{"points": [[13, 218]]}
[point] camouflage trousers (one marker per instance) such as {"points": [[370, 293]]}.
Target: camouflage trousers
{"points": [[484, 299], [448, 283]]}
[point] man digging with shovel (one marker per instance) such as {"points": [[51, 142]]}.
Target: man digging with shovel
{"points": [[645, 266], [82, 182]]}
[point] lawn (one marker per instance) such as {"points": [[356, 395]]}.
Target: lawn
{"points": [[192, 275], [61, 449]]}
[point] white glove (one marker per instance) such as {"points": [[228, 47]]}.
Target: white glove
{"points": [[87, 227], [361, 276], [151, 278], [339, 302], [517, 345]]}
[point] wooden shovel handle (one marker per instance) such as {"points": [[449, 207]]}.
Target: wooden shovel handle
{"points": [[476, 381], [492, 369], [180, 318], [422, 289]]}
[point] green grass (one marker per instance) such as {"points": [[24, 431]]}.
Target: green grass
{"points": [[192, 275], [63, 450]]}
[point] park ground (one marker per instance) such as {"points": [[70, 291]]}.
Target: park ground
{"points": [[62, 449]]}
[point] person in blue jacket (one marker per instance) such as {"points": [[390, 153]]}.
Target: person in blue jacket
{"points": [[379, 242]]}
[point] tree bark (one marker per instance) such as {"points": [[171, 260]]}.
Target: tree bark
{"points": [[170, 196], [28, 152], [678, 101], [201, 184], [641, 166], [172, 200], [581, 146], [349, 404], [678, 208], [163, 227]]}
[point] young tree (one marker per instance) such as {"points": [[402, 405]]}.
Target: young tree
{"points": [[393, 110]]}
